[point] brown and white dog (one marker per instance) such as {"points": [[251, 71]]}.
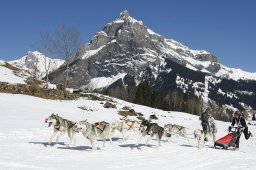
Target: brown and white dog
{"points": [[123, 126]]}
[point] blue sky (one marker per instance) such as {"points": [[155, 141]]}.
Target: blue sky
{"points": [[226, 28]]}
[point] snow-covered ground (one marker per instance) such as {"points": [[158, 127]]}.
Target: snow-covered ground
{"points": [[24, 136]]}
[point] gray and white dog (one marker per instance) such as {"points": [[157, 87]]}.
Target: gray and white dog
{"points": [[172, 129], [201, 137], [62, 126], [94, 131], [151, 129]]}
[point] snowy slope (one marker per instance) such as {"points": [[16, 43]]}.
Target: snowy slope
{"points": [[24, 136], [191, 57], [37, 60], [235, 74], [102, 82], [8, 76]]}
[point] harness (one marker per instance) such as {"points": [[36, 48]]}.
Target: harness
{"points": [[101, 126], [58, 123], [130, 124]]}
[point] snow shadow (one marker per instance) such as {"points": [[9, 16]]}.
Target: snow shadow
{"points": [[133, 146], [77, 148], [45, 144], [189, 146], [113, 139]]}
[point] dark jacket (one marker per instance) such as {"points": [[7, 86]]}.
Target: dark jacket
{"points": [[204, 117], [240, 120]]}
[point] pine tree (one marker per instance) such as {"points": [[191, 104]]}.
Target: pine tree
{"points": [[139, 95], [253, 116]]}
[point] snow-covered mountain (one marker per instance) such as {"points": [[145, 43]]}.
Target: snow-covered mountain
{"points": [[205, 62], [36, 62], [126, 54]]}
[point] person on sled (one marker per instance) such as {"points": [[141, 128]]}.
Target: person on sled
{"points": [[240, 122]]}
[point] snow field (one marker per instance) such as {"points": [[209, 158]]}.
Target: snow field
{"points": [[24, 137]]}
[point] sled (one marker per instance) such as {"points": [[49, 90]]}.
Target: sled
{"points": [[229, 141]]}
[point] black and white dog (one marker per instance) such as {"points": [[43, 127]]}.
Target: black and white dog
{"points": [[151, 129]]}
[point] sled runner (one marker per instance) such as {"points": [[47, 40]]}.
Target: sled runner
{"points": [[229, 141]]}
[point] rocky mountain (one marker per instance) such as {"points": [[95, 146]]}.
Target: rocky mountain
{"points": [[35, 63], [126, 59]]}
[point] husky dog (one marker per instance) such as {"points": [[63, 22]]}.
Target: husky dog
{"points": [[94, 131], [60, 125], [123, 126], [172, 129], [151, 130], [201, 137], [152, 117]]}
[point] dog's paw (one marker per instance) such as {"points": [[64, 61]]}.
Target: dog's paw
{"points": [[68, 145], [51, 144]]}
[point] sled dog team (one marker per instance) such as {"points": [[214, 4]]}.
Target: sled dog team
{"points": [[105, 130]]}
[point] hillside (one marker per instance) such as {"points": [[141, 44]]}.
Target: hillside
{"points": [[10, 74]]}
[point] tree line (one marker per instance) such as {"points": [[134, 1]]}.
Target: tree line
{"points": [[175, 100]]}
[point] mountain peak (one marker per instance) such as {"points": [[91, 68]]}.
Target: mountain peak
{"points": [[124, 14], [124, 17], [35, 60]]}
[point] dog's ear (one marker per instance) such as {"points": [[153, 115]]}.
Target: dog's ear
{"points": [[72, 125], [141, 118]]}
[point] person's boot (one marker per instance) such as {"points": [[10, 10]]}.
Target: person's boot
{"points": [[237, 147], [250, 133], [205, 138]]}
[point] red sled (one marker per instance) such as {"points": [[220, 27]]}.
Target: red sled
{"points": [[229, 141]]}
